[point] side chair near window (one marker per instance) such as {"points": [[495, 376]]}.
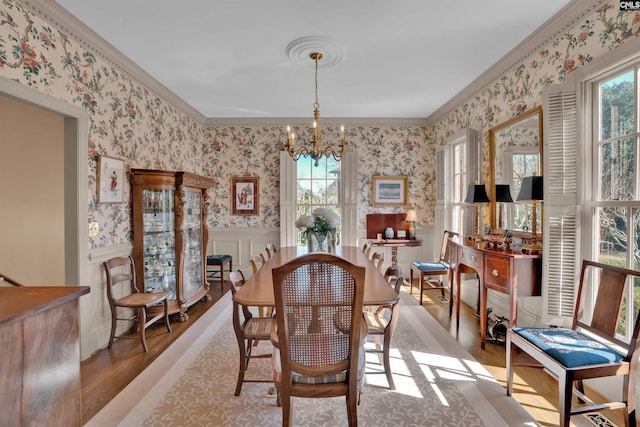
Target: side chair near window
{"points": [[320, 333], [591, 347], [381, 324], [120, 270], [431, 272], [249, 330]]}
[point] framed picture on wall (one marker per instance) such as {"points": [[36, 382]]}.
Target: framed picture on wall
{"points": [[245, 195], [110, 179], [389, 190]]}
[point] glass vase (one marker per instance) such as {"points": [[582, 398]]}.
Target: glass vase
{"points": [[320, 242]]}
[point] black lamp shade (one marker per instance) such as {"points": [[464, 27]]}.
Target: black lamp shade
{"points": [[503, 194], [531, 189], [477, 194]]}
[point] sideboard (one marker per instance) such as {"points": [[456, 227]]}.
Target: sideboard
{"points": [[40, 369], [508, 271]]}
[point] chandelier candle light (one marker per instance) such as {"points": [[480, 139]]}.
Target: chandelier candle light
{"points": [[315, 150]]}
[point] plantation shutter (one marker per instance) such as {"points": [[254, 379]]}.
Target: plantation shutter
{"points": [[288, 183], [350, 194], [474, 166], [561, 251], [441, 199]]}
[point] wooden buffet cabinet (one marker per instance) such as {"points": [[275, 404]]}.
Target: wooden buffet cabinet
{"points": [[508, 271], [170, 235], [40, 369]]}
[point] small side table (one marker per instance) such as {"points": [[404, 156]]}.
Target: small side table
{"points": [[216, 266]]}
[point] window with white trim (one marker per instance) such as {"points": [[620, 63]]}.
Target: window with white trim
{"points": [[615, 188]]}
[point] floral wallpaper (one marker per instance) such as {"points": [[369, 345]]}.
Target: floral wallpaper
{"points": [[128, 121], [520, 89], [254, 151]]}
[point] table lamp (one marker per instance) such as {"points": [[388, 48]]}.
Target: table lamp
{"points": [[476, 194], [411, 218], [531, 191], [503, 195]]}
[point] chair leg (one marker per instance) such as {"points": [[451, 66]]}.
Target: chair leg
{"points": [[565, 391], [511, 351], [142, 324], [387, 364], [242, 367], [285, 401], [352, 408], [166, 315], [114, 325]]}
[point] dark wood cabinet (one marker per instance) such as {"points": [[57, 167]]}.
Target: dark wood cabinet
{"points": [[170, 211]]}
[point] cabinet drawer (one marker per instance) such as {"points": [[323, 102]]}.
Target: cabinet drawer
{"points": [[496, 273], [470, 257]]}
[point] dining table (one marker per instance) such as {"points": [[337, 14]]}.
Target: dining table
{"points": [[258, 290]]}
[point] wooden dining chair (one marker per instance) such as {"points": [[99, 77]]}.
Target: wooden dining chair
{"points": [[381, 324], [378, 259], [121, 270], [271, 250], [249, 330], [593, 347], [366, 248], [431, 273], [319, 335], [4, 279], [257, 261]]}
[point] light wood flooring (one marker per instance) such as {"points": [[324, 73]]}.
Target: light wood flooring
{"points": [[107, 372]]}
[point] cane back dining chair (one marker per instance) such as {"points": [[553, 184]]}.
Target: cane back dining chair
{"points": [[381, 324], [431, 272], [319, 331], [271, 250], [377, 259], [593, 347], [122, 269], [249, 330]]}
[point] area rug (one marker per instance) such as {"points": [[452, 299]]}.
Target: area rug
{"points": [[192, 384]]}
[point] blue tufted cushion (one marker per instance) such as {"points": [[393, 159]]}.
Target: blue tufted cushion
{"points": [[430, 266], [569, 347], [217, 259]]}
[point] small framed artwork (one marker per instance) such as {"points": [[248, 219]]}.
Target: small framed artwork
{"points": [[401, 234], [110, 179], [389, 190], [245, 195]]}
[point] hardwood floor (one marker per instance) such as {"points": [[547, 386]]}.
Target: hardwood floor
{"points": [[107, 372]]}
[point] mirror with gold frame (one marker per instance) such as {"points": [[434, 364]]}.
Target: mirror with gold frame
{"points": [[515, 150]]}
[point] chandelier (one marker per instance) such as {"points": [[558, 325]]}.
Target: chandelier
{"points": [[315, 151]]}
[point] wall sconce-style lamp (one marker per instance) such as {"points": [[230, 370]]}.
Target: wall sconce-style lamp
{"points": [[412, 218], [503, 195], [531, 191], [477, 194]]}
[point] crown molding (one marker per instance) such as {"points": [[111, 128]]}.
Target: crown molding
{"points": [[566, 18], [55, 14], [328, 121]]}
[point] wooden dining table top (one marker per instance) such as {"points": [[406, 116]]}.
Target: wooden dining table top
{"points": [[258, 290]]}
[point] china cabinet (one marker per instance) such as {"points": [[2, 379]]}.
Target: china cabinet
{"points": [[170, 235]]}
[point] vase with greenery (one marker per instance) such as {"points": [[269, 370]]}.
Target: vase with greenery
{"points": [[319, 229]]}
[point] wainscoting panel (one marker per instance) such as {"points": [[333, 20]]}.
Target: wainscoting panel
{"points": [[242, 244]]}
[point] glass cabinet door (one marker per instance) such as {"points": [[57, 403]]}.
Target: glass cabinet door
{"points": [[159, 241], [193, 243]]}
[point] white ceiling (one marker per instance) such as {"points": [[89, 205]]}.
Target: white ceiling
{"points": [[227, 58]]}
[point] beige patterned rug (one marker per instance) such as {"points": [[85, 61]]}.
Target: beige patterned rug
{"points": [[192, 384]]}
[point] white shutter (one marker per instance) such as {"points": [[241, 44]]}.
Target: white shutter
{"points": [[288, 182], [441, 173], [349, 182], [561, 251], [474, 167]]}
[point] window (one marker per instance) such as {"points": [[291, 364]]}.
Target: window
{"points": [[524, 161], [616, 185], [317, 186]]}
